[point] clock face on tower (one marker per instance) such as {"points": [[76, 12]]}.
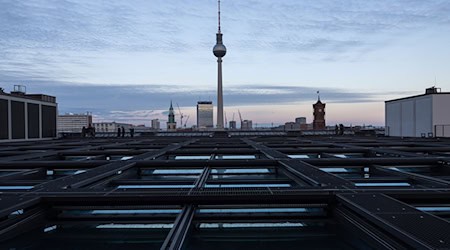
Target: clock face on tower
{"points": [[320, 110]]}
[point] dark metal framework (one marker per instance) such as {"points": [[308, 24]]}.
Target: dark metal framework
{"points": [[266, 192]]}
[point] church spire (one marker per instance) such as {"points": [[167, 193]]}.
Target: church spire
{"points": [[171, 115]]}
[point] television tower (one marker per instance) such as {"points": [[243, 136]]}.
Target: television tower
{"points": [[219, 51]]}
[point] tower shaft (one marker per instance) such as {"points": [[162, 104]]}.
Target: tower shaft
{"points": [[219, 94]]}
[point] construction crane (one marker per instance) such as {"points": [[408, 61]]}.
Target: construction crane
{"points": [[240, 116], [187, 119], [181, 116]]}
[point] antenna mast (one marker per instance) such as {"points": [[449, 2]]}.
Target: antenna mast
{"points": [[219, 14]]}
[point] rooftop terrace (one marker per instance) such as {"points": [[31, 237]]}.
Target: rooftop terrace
{"points": [[265, 191]]}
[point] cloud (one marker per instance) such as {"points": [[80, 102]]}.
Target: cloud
{"points": [[64, 39], [330, 27], [54, 45], [172, 26], [141, 103]]}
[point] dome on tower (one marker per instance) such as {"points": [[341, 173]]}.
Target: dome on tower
{"points": [[219, 50]]}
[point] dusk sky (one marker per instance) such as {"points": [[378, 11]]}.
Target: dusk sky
{"points": [[125, 60]]}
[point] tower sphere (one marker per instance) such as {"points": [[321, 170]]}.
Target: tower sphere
{"points": [[219, 50]]}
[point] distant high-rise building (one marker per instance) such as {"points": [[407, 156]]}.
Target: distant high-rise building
{"points": [[171, 124], [73, 123], [27, 116], [156, 125], [300, 120], [319, 115], [232, 125], [205, 115], [289, 126], [247, 125]]}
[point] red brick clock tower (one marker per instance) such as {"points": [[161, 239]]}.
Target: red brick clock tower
{"points": [[319, 114]]}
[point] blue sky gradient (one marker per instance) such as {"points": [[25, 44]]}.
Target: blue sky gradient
{"points": [[125, 60]]}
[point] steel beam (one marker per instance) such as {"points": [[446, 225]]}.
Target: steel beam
{"points": [[404, 222], [180, 229], [306, 172]]}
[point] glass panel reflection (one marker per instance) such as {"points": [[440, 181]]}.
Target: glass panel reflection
{"points": [[271, 234]]}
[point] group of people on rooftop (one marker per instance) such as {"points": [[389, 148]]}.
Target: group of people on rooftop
{"points": [[90, 131], [339, 130], [121, 132]]}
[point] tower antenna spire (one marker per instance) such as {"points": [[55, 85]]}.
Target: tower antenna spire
{"points": [[218, 6]]}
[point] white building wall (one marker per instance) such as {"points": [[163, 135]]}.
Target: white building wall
{"points": [[441, 115], [407, 118], [420, 116], [393, 118], [423, 117]]}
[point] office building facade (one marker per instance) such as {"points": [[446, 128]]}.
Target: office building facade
{"points": [[110, 126], [300, 120], [156, 125], [247, 125], [205, 115], [27, 116], [232, 125], [73, 123]]}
